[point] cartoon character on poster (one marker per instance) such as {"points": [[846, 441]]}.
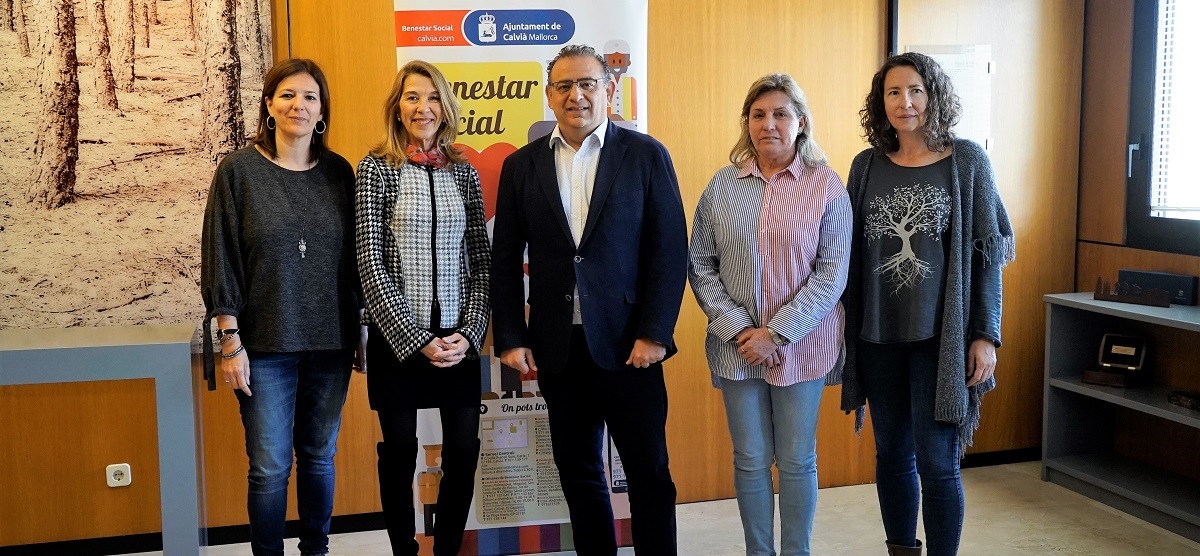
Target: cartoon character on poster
{"points": [[616, 53]]}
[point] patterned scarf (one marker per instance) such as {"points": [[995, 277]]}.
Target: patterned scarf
{"points": [[432, 158]]}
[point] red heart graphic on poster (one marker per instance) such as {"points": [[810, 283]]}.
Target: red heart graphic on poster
{"points": [[488, 164]]}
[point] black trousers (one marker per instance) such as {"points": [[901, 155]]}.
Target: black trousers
{"points": [[580, 400], [396, 389]]}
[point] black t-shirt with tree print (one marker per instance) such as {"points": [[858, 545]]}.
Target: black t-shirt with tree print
{"points": [[906, 212]]}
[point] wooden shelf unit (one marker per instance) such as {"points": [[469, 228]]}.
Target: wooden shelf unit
{"points": [[1078, 421]]}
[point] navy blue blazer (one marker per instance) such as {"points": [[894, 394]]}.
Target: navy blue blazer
{"points": [[630, 264]]}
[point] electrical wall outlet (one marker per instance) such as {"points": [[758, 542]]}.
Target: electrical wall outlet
{"points": [[118, 475]]}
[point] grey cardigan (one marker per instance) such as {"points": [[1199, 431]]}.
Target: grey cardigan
{"points": [[980, 237]]}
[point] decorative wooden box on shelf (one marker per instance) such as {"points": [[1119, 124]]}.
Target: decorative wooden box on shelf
{"points": [[1129, 293]]}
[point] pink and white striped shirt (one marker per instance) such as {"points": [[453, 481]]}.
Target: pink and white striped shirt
{"points": [[775, 252]]}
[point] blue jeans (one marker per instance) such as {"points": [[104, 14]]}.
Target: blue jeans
{"points": [[297, 403], [916, 456], [774, 424]]}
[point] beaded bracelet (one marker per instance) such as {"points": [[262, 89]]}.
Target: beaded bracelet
{"points": [[234, 353]]}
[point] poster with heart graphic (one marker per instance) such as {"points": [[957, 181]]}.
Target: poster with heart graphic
{"points": [[495, 56]]}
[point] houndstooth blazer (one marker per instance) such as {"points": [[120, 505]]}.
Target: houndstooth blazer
{"points": [[380, 254]]}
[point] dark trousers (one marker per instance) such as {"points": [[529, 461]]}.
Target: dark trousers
{"points": [[916, 462], [397, 462], [581, 400]]}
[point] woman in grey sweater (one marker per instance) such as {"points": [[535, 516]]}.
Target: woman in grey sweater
{"points": [[922, 297], [278, 274]]}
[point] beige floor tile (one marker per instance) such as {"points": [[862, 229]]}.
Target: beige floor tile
{"points": [[1010, 512]]}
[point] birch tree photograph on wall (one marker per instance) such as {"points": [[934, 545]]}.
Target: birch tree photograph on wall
{"points": [[113, 115]]}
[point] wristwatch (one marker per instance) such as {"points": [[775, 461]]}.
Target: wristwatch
{"points": [[775, 337]]}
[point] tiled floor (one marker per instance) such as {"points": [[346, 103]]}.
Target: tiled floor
{"points": [[1010, 511]]}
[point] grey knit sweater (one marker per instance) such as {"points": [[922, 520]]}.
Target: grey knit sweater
{"points": [[251, 266], [979, 228]]}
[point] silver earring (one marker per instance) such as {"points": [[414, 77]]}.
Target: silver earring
{"points": [[270, 122], [321, 129]]}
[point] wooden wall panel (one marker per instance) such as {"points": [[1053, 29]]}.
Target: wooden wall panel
{"points": [[356, 48], [1103, 261], [1107, 53], [280, 37], [57, 441], [1037, 46], [225, 464]]}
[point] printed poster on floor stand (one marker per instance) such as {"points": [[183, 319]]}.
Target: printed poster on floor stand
{"points": [[495, 55]]}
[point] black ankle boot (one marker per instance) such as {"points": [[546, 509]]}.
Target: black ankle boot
{"points": [[901, 550]]}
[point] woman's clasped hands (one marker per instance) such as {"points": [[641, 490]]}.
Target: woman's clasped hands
{"points": [[756, 347], [448, 351]]}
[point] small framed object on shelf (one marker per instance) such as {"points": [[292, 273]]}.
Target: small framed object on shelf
{"points": [[1121, 362]]}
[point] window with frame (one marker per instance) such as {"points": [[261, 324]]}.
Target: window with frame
{"points": [[1163, 193]]}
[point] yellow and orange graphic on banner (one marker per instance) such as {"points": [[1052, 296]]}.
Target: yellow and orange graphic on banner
{"points": [[500, 100]]}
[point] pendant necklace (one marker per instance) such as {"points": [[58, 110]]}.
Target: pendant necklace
{"points": [[301, 245]]}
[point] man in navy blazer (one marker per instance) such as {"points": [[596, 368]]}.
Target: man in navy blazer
{"points": [[599, 210]]}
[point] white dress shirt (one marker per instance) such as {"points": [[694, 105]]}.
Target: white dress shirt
{"points": [[576, 171]]}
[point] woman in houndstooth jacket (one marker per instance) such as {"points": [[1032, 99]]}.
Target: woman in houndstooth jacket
{"points": [[424, 260]]}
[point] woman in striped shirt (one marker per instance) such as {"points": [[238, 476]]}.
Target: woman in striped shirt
{"points": [[769, 254]]}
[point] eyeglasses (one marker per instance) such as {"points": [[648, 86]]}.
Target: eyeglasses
{"points": [[587, 85]]}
